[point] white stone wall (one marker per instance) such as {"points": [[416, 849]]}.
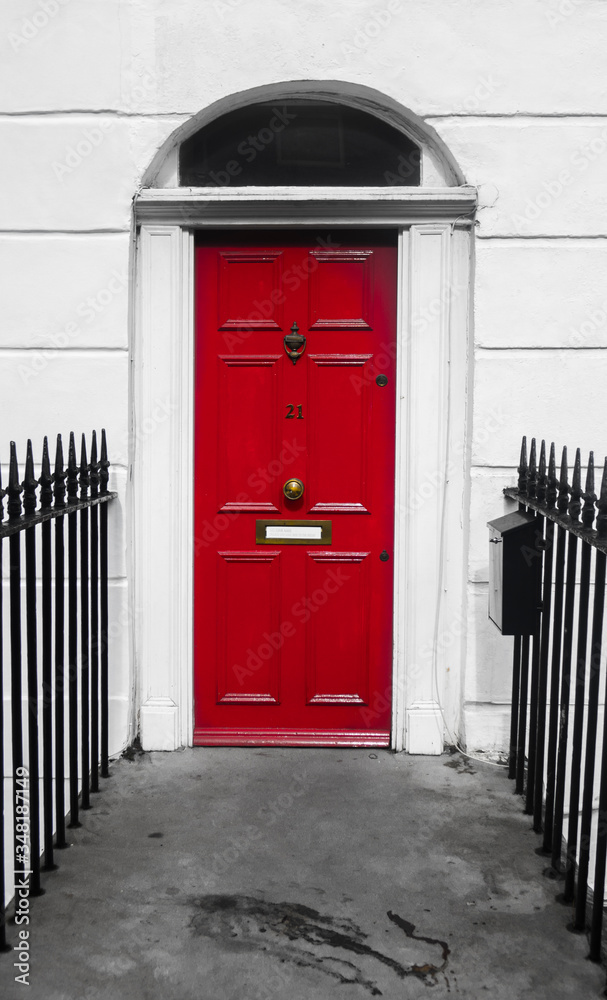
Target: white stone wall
{"points": [[517, 89]]}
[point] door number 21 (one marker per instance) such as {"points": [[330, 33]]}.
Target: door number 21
{"points": [[291, 412]]}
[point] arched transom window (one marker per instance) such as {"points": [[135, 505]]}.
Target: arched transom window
{"points": [[299, 143]]}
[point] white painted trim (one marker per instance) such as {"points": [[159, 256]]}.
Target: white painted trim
{"points": [[432, 355], [429, 539], [425, 729], [452, 653], [184, 448], [290, 206], [163, 486], [399, 672]]}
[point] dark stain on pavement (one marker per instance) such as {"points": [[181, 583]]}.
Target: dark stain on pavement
{"points": [[461, 766], [303, 936], [408, 929]]}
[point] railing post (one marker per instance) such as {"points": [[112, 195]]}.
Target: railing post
{"points": [[104, 466], [514, 707], [72, 642], [46, 499], [94, 648], [522, 717], [596, 925], [573, 512], [59, 496], [527, 475], [596, 642], [580, 688], [4, 946], [520, 669], [537, 483], [591, 734], [30, 485], [84, 632], [562, 502], [549, 499], [14, 513]]}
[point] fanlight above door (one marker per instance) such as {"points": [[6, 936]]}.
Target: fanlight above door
{"points": [[299, 143]]}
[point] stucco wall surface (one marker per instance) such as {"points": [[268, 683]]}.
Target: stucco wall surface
{"points": [[517, 90], [175, 56]]}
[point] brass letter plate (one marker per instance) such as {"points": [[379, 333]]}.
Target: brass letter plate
{"points": [[293, 532]]}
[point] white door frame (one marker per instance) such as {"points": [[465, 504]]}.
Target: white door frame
{"points": [[433, 337]]}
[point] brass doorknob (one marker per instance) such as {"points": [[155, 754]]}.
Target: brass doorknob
{"points": [[293, 489]]}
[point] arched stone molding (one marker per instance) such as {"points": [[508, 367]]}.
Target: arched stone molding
{"points": [[439, 168]]}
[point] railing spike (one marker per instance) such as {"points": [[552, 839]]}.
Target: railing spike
{"points": [[575, 506], [532, 476], [59, 475], [46, 480], [13, 490], [72, 472], [589, 495], [104, 464], [523, 468], [601, 521], [94, 466], [541, 479], [552, 480], [563, 497], [84, 471], [30, 483]]}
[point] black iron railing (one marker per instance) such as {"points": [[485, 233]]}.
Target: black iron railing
{"points": [[42, 682], [557, 753]]}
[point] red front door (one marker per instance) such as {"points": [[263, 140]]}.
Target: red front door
{"points": [[293, 621]]}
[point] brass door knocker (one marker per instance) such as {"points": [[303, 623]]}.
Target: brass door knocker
{"points": [[292, 341]]}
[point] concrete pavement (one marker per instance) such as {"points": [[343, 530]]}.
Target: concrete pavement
{"points": [[263, 873]]}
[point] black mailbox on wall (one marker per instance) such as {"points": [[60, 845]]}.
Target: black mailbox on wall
{"points": [[514, 573]]}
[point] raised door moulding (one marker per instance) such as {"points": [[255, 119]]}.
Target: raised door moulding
{"points": [[432, 255], [249, 207]]}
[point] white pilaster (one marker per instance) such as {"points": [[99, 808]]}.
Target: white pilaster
{"points": [[163, 486], [431, 455]]}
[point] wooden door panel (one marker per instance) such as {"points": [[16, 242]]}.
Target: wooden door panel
{"points": [[248, 280], [339, 398], [294, 642], [341, 290], [248, 393], [337, 640], [249, 611]]}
